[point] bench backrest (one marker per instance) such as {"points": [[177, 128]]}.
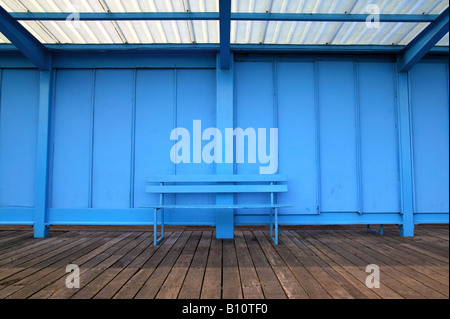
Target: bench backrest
{"points": [[263, 183]]}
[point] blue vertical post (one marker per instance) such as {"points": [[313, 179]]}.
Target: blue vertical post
{"points": [[40, 226], [225, 29], [224, 119], [405, 155]]}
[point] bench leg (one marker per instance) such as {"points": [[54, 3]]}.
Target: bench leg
{"points": [[379, 232], [271, 222], [162, 223], [156, 239], [277, 227]]}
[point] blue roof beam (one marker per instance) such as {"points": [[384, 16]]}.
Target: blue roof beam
{"points": [[237, 16], [331, 17], [424, 42], [211, 48], [24, 41], [225, 32]]}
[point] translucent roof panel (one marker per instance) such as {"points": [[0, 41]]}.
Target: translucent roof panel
{"points": [[311, 33], [334, 33], [118, 32], [242, 32], [3, 39], [110, 5], [339, 6]]}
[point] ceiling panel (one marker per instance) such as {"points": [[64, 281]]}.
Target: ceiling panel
{"points": [[242, 32]]}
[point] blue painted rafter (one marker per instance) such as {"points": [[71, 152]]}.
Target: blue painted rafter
{"points": [[24, 41], [242, 16], [213, 48], [422, 44], [225, 29]]}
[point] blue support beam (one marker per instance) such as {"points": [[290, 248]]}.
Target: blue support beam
{"points": [[242, 16], [225, 27], [423, 42], [141, 216], [115, 16], [330, 17], [40, 213], [24, 41], [224, 119], [405, 156], [58, 50]]}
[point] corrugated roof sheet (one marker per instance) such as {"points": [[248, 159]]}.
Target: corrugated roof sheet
{"points": [[242, 32]]}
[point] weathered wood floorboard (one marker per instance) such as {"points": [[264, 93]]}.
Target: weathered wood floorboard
{"points": [[317, 262]]}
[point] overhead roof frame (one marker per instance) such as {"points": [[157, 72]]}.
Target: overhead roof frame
{"points": [[408, 56], [423, 42], [35, 51]]}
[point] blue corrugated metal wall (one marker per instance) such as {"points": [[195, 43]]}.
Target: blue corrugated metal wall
{"points": [[338, 140], [337, 132], [429, 105], [18, 129]]}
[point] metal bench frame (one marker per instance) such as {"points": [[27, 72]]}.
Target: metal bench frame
{"points": [[224, 184]]}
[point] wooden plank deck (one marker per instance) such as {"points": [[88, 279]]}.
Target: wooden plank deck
{"points": [[326, 262]]}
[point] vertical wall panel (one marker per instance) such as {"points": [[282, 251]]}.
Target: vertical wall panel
{"points": [[72, 139], [18, 128], [254, 109], [297, 135], [337, 136], [112, 139], [379, 146], [155, 93], [430, 131], [195, 101]]}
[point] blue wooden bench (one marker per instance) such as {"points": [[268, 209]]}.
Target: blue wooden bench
{"points": [[217, 184]]}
